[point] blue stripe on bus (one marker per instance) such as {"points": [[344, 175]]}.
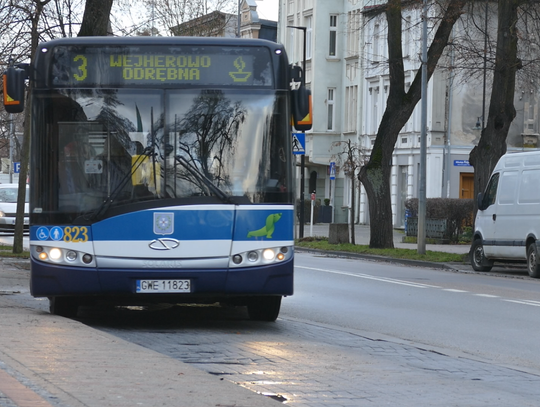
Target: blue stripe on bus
{"points": [[187, 225], [261, 224]]}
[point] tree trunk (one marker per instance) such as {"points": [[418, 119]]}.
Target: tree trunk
{"points": [[18, 233], [375, 175], [96, 18], [492, 144]]}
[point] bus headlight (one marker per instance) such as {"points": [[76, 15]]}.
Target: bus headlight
{"points": [[55, 254], [62, 256], [261, 257], [268, 254]]}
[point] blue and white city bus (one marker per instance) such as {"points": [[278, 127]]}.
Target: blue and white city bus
{"points": [[161, 171]]}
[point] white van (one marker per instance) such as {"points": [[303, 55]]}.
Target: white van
{"points": [[507, 226]]}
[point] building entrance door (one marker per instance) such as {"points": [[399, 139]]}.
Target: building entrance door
{"points": [[466, 185]]}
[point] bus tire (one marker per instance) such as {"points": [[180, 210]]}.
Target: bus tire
{"points": [[477, 257], [264, 308], [63, 306]]}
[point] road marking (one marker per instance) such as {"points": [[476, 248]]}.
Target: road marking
{"points": [[369, 277], [21, 395], [416, 285], [525, 302]]}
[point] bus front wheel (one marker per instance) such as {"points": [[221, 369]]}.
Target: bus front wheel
{"points": [[264, 308], [63, 306]]}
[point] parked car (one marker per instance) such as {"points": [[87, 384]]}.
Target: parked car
{"points": [[8, 207]]}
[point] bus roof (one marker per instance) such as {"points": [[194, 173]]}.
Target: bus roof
{"points": [[223, 41]]}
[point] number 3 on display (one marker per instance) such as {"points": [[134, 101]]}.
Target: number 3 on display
{"points": [[82, 67]]}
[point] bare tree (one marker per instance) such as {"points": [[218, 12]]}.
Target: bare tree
{"points": [[492, 144], [29, 17], [375, 175], [96, 18], [350, 160]]}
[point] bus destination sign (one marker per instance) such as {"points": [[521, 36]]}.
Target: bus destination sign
{"points": [[122, 66]]}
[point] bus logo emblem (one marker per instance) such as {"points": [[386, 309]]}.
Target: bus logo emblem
{"points": [[163, 223], [164, 244]]}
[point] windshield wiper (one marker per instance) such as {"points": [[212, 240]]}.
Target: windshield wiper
{"points": [[202, 178]]}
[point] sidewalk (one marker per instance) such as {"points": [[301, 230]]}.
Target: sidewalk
{"points": [[362, 234], [46, 360]]}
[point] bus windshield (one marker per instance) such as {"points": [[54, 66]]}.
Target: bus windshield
{"points": [[110, 148]]}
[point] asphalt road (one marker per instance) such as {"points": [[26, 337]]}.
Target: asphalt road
{"points": [[488, 316]]}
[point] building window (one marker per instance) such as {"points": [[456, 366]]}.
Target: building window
{"points": [[309, 37], [353, 33], [373, 105], [333, 36], [407, 37], [330, 106], [376, 44], [351, 93], [292, 42]]}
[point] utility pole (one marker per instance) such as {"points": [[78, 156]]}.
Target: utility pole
{"points": [[421, 238], [303, 156], [11, 136]]}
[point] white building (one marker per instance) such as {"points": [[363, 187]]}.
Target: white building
{"points": [[346, 70]]}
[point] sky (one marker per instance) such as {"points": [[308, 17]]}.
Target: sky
{"points": [[268, 9]]}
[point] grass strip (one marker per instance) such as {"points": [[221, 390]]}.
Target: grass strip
{"points": [[7, 251], [411, 254]]}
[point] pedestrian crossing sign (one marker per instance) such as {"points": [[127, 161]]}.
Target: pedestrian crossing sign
{"points": [[299, 143]]}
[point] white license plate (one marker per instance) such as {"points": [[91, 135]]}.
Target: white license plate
{"points": [[163, 286]]}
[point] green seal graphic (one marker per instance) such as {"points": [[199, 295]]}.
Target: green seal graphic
{"points": [[268, 229]]}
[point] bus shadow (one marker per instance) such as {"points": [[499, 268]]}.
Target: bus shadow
{"points": [[170, 317]]}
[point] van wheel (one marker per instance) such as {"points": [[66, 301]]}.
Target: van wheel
{"points": [[478, 260], [533, 264], [264, 308]]}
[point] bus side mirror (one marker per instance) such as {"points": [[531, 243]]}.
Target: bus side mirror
{"points": [[301, 101], [14, 89], [302, 109]]}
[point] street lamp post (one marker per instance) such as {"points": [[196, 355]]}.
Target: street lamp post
{"points": [[302, 157], [11, 135], [239, 20]]}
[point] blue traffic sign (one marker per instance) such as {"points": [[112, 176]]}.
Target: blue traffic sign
{"points": [[332, 170], [299, 143], [16, 168]]}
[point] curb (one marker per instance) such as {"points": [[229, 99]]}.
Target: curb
{"points": [[373, 257]]}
